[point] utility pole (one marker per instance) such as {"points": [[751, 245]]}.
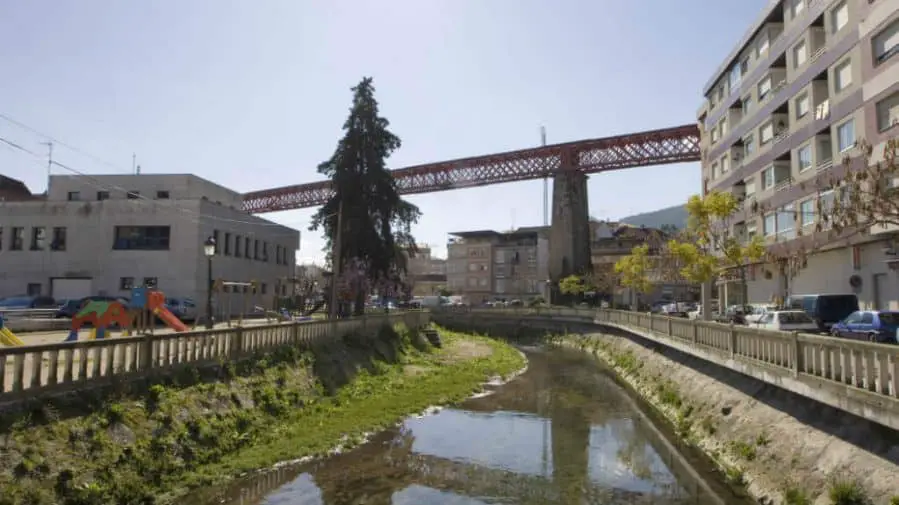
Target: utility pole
{"points": [[49, 163], [336, 263]]}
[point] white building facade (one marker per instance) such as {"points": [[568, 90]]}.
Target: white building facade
{"points": [[103, 235]]}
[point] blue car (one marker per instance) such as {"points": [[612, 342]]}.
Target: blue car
{"points": [[870, 325]]}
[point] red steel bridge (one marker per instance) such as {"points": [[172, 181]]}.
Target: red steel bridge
{"points": [[656, 147]]}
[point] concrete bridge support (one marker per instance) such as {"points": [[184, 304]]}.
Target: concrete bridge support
{"points": [[569, 238]]}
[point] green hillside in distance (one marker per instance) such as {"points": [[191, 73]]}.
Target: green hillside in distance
{"points": [[676, 215]]}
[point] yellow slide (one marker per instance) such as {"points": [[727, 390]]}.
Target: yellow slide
{"points": [[9, 338]]}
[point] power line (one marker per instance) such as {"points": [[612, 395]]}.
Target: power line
{"points": [[54, 140]]}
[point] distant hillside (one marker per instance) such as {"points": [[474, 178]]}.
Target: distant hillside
{"points": [[676, 216]]}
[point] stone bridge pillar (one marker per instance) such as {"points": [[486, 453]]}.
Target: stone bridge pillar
{"points": [[569, 237]]}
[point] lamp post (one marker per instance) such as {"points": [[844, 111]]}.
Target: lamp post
{"points": [[209, 251]]}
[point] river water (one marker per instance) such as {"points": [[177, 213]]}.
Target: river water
{"points": [[563, 433]]}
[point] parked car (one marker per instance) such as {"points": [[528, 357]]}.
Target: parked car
{"points": [[25, 302], [735, 314], [826, 310], [183, 308], [787, 320], [758, 312], [871, 325]]}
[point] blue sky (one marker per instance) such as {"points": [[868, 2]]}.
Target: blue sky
{"points": [[252, 94]]}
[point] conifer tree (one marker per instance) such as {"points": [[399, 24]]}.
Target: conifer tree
{"points": [[376, 222]]}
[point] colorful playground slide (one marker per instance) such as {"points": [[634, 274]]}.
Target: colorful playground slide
{"points": [[166, 316], [9, 339]]}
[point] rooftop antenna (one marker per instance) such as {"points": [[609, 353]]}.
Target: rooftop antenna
{"points": [[545, 182], [134, 163]]}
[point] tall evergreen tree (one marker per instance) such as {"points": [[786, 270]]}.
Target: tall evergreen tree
{"points": [[376, 222]]}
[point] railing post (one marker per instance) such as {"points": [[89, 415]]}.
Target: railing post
{"points": [[237, 340], [146, 353], [670, 333], [797, 356], [733, 340], [295, 333], [695, 336]]}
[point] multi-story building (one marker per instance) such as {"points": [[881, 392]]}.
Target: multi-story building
{"points": [[489, 265], [611, 241], [426, 273], [808, 80], [108, 233]]}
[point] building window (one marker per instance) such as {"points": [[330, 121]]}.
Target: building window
{"points": [[804, 154], [769, 225], [839, 17], [888, 112], [151, 282], [846, 135], [762, 45], [126, 283], [886, 43], [237, 242], [764, 88], [714, 176], [766, 133], [750, 187], [842, 75], [142, 238], [133, 195], [807, 212], [748, 145], [18, 239], [247, 252], [265, 252], [59, 239], [227, 244], [218, 245], [256, 255], [802, 105], [747, 105], [263, 288], [725, 166], [796, 8], [102, 195], [800, 54], [768, 178], [162, 195], [825, 204], [33, 289], [73, 196], [1, 238], [38, 235], [856, 257], [786, 222]]}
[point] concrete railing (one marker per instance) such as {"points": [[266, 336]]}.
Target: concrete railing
{"points": [[28, 313], [31, 370], [856, 376]]}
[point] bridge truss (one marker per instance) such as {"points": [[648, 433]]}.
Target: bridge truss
{"points": [[656, 147]]}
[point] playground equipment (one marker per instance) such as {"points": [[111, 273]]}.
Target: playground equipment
{"points": [[7, 337], [137, 317], [232, 288]]}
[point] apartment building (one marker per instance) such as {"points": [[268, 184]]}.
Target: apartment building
{"points": [[489, 265], [610, 241], [108, 233], [808, 80], [426, 273]]}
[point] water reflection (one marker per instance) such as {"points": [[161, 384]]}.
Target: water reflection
{"points": [[563, 433]]}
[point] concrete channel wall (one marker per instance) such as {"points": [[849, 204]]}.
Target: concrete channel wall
{"points": [[857, 377], [30, 371]]}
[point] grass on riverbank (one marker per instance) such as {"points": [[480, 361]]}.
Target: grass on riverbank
{"points": [[275, 408]]}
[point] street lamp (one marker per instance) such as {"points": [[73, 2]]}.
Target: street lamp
{"points": [[209, 251]]}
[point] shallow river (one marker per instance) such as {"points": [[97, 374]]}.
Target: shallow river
{"points": [[562, 433]]}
